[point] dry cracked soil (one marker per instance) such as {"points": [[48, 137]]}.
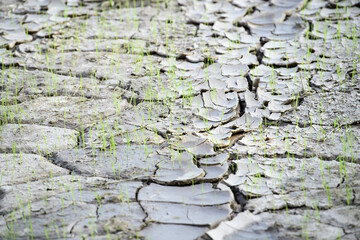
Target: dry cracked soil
{"points": [[179, 119]]}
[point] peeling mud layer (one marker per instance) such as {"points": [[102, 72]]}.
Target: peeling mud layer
{"points": [[180, 119]]}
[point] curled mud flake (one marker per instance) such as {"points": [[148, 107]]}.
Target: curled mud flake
{"points": [[17, 35], [219, 136], [188, 141], [72, 3], [204, 149], [249, 59], [199, 18], [216, 115], [186, 66], [5, 43], [196, 102], [180, 170], [254, 187], [247, 168], [266, 18], [216, 83], [246, 3], [261, 70], [218, 159], [287, 29], [215, 172], [204, 125], [234, 70], [250, 100], [226, 43], [286, 71], [235, 37], [171, 231], [213, 7], [244, 123], [219, 98], [234, 180], [200, 194], [276, 107], [274, 116], [293, 5], [222, 27], [249, 39], [274, 53], [276, 45], [208, 103], [239, 226], [195, 58], [186, 214], [221, 140]]}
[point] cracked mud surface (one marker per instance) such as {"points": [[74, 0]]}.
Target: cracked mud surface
{"points": [[179, 119]]}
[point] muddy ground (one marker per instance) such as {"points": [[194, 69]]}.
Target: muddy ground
{"points": [[179, 119]]}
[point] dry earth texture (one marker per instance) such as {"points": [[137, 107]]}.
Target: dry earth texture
{"points": [[179, 119]]}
